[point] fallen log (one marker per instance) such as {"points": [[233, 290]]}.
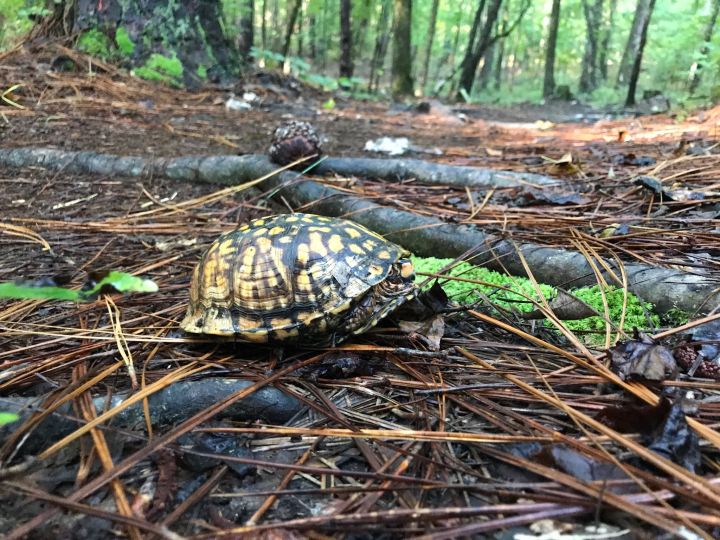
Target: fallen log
{"points": [[167, 407], [426, 172], [666, 288]]}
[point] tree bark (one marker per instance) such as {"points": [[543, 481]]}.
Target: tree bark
{"points": [[637, 63], [290, 28], [642, 13], [188, 31], [402, 82], [263, 26], [549, 81], [707, 37], [593, 16], [472, 38], [607, 33], [247, 30], [498, 68], [488, 66], [475, 52], [431, 36], [346, 61], [380, 49]]}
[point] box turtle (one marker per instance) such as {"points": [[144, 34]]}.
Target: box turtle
{"points": [[297, 278]]}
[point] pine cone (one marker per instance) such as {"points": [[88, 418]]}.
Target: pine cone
{"points": [[293, 141]]}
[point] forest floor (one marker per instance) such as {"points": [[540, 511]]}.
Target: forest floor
{"points": [[405, 485]]}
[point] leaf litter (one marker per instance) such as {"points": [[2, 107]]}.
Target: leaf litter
{"points": [[407, 447]]}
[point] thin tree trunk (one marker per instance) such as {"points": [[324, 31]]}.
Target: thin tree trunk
{"points": [[290, 28], [263, 26], [430, 38], [607, 33], [381, 41], [549, 81], [247, 27], [633, 42], [312, 37], [360, 28], [300, 41], [324, 37], [499, 58], [471, 60], [593, 15], [486, 71], [402, 82], [635, 73], [707, 37], [472, 38], [346, 61]]}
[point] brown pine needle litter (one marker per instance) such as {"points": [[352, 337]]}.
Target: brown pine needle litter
{"points": [[411, 442]]}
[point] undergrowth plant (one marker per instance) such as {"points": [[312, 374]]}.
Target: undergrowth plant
{"points": [[637, 313]]}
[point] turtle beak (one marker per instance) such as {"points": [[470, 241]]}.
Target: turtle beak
{"points": [[407, 271]]}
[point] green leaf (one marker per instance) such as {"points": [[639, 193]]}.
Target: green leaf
{"points": [[24, 291], [8, 418], [121, 282], [115, 281]]}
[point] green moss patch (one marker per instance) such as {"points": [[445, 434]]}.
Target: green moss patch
{"points": [[161, 68], [124, 44], [95, 43], [638, 314]]}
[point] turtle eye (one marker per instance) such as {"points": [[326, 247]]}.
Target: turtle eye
{"points": [[406, 269]]}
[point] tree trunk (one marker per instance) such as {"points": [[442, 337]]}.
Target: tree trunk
{"points": [[290, 28], [430, 38], [182, 43], [324, 36], [549, 81], [247, 27], [633, 43], [381, 42], [300, 35], [361, 23], [607, 33], [486, 71], [472, 37], [707, 37], [593, 16], [498, 70], [402, 82], [475, 53], [346, 61], [635, 73], [263, 26]]}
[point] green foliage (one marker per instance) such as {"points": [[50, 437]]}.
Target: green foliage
{"points": [[8, 418], [116, 281], [161, 68], [124, 44], [607, 95], [95, 43], [638, 314], [15, 19]]}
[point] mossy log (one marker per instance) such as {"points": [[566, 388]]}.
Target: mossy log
{"points": [[666, 288]]}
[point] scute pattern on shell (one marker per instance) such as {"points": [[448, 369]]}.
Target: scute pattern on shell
{"points": [[288, 277], [292, 141]]}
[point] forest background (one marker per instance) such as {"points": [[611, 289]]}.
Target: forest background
{"points": [[495, 51]]}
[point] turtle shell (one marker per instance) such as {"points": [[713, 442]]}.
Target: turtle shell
{"points": [[297, 277]]}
